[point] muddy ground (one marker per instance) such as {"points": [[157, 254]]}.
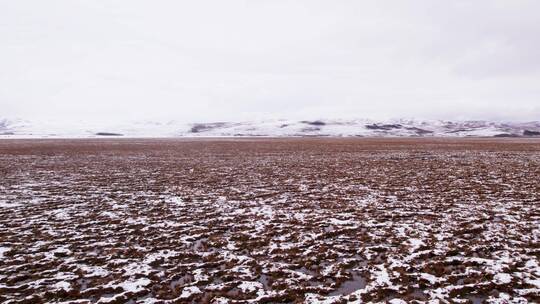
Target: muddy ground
{"points": [[270, 221]]}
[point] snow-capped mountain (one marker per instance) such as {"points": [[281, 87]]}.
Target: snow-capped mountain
{"points": [[279, 128]]}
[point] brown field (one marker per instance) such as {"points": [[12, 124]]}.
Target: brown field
{"points": [[270, 221]]}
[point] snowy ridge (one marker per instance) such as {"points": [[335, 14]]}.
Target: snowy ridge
{"points": [[273, 128]]}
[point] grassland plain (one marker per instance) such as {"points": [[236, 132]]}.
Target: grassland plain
{"points": [[259, 220]]}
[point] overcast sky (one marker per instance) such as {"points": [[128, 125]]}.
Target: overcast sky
{"points": [[242, 60]]}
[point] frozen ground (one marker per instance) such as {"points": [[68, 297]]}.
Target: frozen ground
{"points": [[270, 221], [270, 128]]}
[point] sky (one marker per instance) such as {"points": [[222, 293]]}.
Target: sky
{"points": [[215, 60]]}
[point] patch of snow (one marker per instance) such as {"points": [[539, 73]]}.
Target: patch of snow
{"points": [[174, 200], [135, 285], [198, 275], [415, 244], [317, 299], [430, 278], [339, 222], [4, 204], [250, 286], [94, 271], [111, 215], [381, 276], [502, 278], [189, 291], [3, 250], [62, 285], [137, 268], [535, 282]]}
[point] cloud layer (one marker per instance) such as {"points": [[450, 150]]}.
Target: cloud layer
{"points": [[237, 60]]}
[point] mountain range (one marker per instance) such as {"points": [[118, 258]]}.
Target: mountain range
{"points": [[19, 128]]}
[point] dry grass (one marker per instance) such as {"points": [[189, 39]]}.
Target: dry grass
{"points": [[269, 220]]}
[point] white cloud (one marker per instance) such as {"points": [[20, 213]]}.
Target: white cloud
{"points": [[222, 60]]}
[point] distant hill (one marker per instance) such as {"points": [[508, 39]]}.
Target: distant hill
{"points": [[275, 128]]}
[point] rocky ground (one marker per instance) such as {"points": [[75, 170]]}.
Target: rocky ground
{"points": [[270, 221]]}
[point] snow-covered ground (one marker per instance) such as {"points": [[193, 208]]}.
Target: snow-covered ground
{"points": [[269, 221], [270, 128]]}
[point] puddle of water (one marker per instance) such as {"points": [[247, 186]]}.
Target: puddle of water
{"points": [[83, 283], [310, 272], [418, 294], [263, 279], [181, 281], [357, 283], [477, 299], [199, 245]]}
